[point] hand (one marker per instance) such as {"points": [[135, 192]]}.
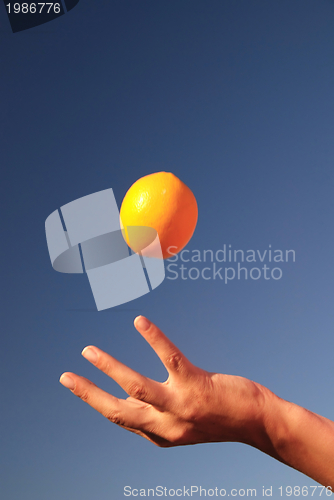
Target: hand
{"points": [[195, 406], [192, 406]]}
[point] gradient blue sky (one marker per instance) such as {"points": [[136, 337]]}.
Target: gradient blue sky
{"points": [[236, 99]]}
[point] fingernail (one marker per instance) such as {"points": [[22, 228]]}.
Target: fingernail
{"points": [[142, 323], [67, 382], [89, 354]]}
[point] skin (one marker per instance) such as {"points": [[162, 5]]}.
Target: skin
{"points": [[196, 406]]}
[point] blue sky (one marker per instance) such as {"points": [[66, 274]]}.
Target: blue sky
{"points": [[236, 99]]}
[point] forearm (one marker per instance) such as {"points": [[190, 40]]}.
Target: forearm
{"points": [[298, 438]]}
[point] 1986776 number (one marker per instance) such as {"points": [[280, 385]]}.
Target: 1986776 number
{"points": [[32, 8], [305, 491]]}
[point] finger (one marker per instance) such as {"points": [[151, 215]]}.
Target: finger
{"points": [[116, 410], [134, 384], [133, 400], [172, 358]]}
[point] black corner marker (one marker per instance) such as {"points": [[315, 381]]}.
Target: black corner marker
{"points": [[26, 15], [70, 4]]}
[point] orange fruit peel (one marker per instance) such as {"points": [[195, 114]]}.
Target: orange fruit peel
{"points": [[158, 205]]}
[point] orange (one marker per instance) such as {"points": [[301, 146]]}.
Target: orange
{"points": [[163, 202]]}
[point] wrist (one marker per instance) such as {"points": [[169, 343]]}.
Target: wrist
{"points": [[270, 428]]}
